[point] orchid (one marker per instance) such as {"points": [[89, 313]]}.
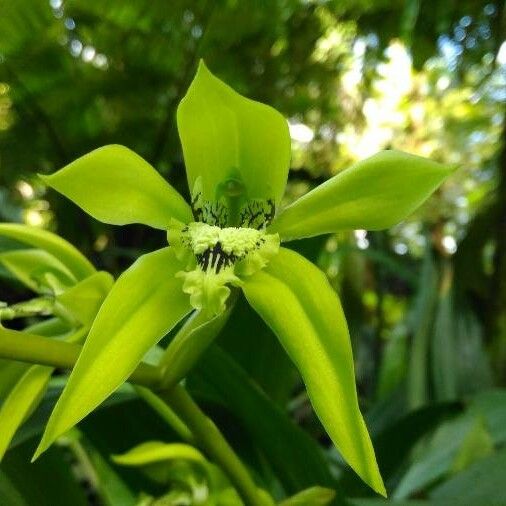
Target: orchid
{"points": [[227, 240]]}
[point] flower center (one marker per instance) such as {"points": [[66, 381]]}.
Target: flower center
{"points": [[217, 257], [215, 248]]}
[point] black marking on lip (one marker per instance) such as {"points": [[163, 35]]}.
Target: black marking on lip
{"points": [[217, 259]]}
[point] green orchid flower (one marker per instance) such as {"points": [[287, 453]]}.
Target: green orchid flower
{"points": [[237, 155]]}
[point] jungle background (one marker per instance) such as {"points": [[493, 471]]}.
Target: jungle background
{"points": [[426, 300]]}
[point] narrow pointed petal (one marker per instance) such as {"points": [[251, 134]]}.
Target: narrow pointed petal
{"points": [[145, 303], [115, 185], [227, 136], [297, 302], [373, 194]]}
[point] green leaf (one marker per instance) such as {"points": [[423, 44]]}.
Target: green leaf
{"points": [[84, 299], [477, 444], [32, 267], [480, 484], [296, 300], [227, 136], [373, 194], [115, 185], [190, 342], [157, 451], [443, 347], [314, 496], [296, 457], [72, 258], [10, 372], [144, 304], [49, 482], [112, 488], [21, 401]]}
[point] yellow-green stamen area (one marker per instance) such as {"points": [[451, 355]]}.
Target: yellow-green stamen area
{"points": [[217, 258]]}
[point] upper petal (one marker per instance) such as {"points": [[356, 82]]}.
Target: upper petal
{"points": [[115, 185], [373, 194], [227, 137]]}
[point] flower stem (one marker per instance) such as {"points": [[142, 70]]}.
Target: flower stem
{"points": [[166, 413], [177, 407], [42, 350], [211, 441]]}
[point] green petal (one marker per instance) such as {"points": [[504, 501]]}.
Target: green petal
{"points": [[67, 254], [227, 137], [295, 299], [21, 401], [373, 194], [190, 343], [115, 185], [144, 304], [37, 269]]}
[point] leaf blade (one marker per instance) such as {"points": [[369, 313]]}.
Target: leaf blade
{"points": [[70, 256], [21, 401]]}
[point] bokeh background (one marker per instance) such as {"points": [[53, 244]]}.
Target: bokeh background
{"points": [[426, 300]]}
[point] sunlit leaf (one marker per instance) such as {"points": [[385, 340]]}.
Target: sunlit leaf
{"points": [[21, 401], [157, 451], [84, 299], [143, 305], [373, 194], [67, 254], [227, 136], [295, 299], [33, 267], [10, 372], [115, 185], [314, 496]]}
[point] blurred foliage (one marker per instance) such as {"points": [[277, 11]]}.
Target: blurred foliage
{"points": [[426, 301]]}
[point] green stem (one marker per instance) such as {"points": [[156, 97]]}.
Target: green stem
{"points": [[42, 350], [181, 411], [166, 413], [212, 442]]}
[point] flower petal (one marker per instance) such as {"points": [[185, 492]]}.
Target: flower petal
{"points": [[373, 194], [227, 137], [115, 185], [144, 304], [295, 299]]}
